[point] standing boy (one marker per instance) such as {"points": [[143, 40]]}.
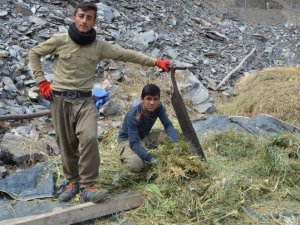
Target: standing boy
{"points": [[73, 112]]}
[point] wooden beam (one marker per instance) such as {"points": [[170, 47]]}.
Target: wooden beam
{"points": [[24, 116], [82, 212]]}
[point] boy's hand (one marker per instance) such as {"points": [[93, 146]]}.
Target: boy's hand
{"points": [[153, 161], [45, 89], [163, 64]]}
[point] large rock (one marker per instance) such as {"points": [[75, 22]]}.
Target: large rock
{"points": [[20, 149], [262, 125]]}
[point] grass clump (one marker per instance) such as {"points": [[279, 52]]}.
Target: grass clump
{"points": [[232, 145], [280, 159]]}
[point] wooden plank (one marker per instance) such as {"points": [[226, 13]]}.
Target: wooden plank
{"points": [[82, 212]]}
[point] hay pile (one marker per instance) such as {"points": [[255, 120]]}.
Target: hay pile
{"points": [[272, 91], [243, 172]]}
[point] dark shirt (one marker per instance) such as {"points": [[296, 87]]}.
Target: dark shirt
{"points": [[134, 131]]}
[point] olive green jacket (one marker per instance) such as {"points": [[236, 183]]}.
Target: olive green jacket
{"points": [[75, 65]]}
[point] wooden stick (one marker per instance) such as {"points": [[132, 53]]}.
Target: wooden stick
{"points": [[235, 69], [82, 212], [24, 116]]}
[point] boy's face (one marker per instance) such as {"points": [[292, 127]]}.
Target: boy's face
{"points": [[84, 20], [150, 103]]}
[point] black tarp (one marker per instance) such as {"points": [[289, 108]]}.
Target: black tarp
{"points": [[35, 182]]}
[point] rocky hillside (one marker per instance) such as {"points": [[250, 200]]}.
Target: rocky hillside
{"points": [[211, 35]]}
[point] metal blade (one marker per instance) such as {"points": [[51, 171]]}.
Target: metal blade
{"points": [[184, 119]]}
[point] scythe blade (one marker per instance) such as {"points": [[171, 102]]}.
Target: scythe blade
{"points": [[183, 118]]}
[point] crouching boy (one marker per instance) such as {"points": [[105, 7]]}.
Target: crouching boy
{"points": [[135, 136]]}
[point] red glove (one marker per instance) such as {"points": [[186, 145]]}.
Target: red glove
{"points": [[45, 89], [163, 64]]}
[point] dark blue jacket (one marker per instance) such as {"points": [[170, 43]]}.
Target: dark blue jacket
{"points": [[134, 131]]}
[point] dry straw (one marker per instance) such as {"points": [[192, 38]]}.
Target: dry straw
{"points": [[272, 91]]}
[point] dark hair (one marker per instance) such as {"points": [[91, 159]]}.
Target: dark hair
{"points": [[150, 89], [84, 6]]}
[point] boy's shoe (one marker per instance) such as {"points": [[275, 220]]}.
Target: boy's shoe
{"points": [[91, 193], [70, 191]]}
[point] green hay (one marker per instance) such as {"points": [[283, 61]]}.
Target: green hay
{"points": [[183, 189]]}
